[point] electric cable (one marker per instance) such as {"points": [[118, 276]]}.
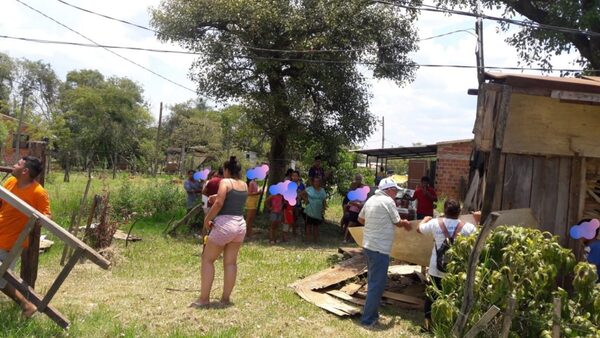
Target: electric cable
{"points": [[105, 48]]}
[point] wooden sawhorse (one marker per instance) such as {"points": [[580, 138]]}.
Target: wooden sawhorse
{"points": [[81, 249]]}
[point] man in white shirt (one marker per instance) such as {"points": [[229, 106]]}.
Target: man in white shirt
{"points": [[380, 218], [454, 228]]}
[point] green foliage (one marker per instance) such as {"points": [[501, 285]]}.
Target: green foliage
{"points": [[537, 46], [160, 197], [100, 120], [523, 263], [293, 101]]}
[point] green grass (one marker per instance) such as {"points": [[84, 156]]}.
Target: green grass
{"points": [[148, 288]]}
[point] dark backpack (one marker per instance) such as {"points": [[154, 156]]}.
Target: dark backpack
{"points": [[442, 260]]}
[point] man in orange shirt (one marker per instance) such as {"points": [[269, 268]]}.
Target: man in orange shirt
{"points": [[12, 221]]}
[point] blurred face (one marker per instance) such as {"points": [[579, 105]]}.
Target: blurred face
{"points": [[191, 175], [295, 177], [317, 182], [392, 192], [424, 183], [317, 163]]}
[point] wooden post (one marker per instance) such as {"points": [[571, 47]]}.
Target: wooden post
{"points": [[483, 321], [556, 318], [260, 197], [156, 150], [508, 316], [468, 297], [30, 256]]}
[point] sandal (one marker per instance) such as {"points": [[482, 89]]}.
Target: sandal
{"points": [[197, 305]]}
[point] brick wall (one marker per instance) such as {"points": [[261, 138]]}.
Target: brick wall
{"points": [[452, 164]]}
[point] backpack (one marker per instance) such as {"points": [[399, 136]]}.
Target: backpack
{"points": [[442, 260]]}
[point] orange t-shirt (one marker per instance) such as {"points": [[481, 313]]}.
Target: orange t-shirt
{"points": [[12, 221]]}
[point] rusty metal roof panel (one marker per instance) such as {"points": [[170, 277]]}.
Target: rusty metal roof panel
{"points": [[586, 84]]}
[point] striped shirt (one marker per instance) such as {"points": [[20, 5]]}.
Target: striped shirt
{"points": [[380, 216]]}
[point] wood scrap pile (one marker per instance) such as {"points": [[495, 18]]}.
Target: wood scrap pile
{"points": [[342, 289]]}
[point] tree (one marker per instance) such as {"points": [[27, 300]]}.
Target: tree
{"points": [[101, 120], [538, 45], [293, 95]]}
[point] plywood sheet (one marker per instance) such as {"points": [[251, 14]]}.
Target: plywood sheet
{"points": [[522, 217], [344, 296], [347, 269], [544, 126], [327, 302], [409, 246]]}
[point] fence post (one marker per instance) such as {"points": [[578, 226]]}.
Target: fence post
{"points": [[556, 318]]}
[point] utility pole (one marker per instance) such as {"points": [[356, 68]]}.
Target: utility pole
{"points": [[479, 49], [383, 132], [156, 151], [19, 126]]}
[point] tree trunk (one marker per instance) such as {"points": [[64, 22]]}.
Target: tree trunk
{"points": [[277, 158]]}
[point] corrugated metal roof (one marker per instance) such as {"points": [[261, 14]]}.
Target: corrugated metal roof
{"points": [[587, 84], [401, 152]]}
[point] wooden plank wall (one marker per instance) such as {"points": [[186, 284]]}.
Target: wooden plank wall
{"points": [[542, 184], [544, 126]]}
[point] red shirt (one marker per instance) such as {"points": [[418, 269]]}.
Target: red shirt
{"points": [[212, 187], [424, 203]]}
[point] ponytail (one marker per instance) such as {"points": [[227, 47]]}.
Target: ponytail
{"points": [[234, 167]]}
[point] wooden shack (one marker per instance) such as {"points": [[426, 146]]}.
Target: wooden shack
{"points": [[538, 145]]}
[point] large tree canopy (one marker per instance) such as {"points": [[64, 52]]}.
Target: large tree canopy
{"points": [[254, 52], [538, 45]]}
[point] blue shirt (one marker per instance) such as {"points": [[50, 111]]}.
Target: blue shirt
{"points": [[314, 208], [593, 256], [189, 187]]}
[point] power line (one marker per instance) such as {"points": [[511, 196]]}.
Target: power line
{"points": [[298, 51], [105, 48], [528, 24], [317, 61]]}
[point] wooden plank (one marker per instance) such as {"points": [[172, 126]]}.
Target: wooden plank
{"points": [[344, 296], [499, 187], [518, 177], [60, 279], [345, 270], [543, 126], [36, 299], [404, 298], [327, 302], [351, 288], [52, 227], [522, 217], [491, 176], [483, 321], [556, 318], [16, 249], [503, 115], [575, 96], [577, 171], [562, 202], [544, 191], [350, 251]]}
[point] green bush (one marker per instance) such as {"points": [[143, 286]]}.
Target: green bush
{"points": [[162, 196], [524, 263]]}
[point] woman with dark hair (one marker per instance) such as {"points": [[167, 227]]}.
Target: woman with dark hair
{"points": [[227, 231], [442, 228]]}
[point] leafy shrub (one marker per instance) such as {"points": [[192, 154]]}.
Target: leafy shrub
{"points": [[162, 196], [524, 263]]}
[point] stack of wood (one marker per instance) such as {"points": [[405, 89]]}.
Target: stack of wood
{"points": [[342, 289]]}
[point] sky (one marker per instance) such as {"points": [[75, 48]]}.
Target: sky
{"points": [[434, 107]]}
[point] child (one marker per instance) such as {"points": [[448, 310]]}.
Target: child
{"points": [[274, 204], [288, 221], [592, 252]]}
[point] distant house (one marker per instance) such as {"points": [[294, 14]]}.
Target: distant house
{"points": [[7, 146]]}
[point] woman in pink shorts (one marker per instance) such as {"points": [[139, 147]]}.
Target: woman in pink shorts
{"points": [[227, 230]]}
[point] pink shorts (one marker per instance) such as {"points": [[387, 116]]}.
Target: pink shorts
{"points": [[228, 229]]}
